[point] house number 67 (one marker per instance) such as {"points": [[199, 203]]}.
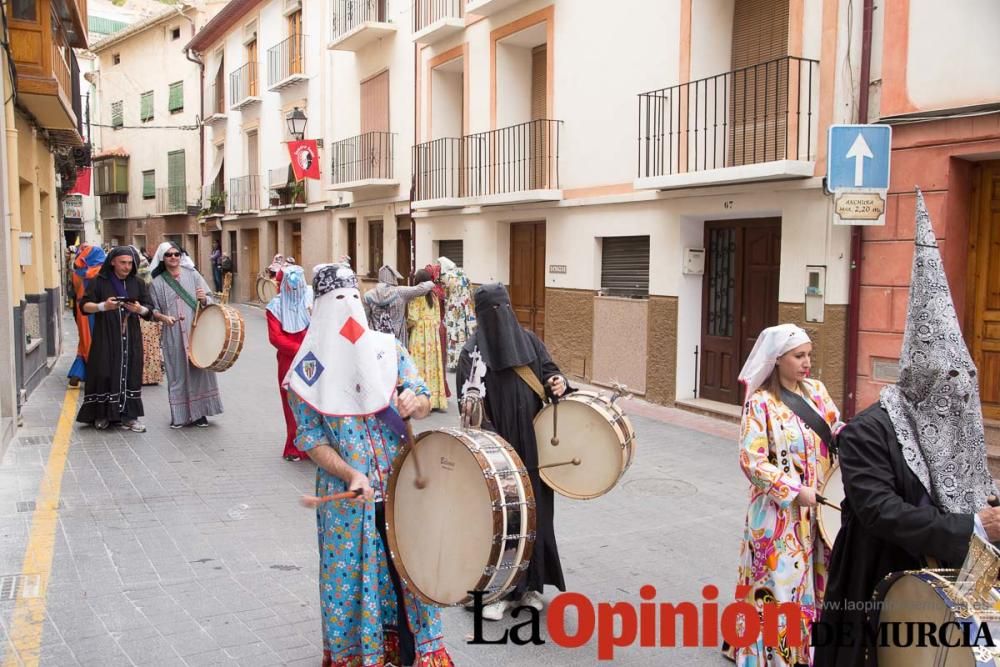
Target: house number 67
{"points": [[728, 204]]}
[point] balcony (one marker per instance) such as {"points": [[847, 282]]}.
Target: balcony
{"points": [[357, 23], [363, 163], [284, 63], [173, 200], [758, 123], [213, 201], [114, 207], [243, 195], [434, 20], [215, 104], [284, 192], [243, 87], [488, 7], [111, 173], [512, 165]]}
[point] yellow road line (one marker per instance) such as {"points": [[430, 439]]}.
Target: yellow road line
{"points": [[29, 614]]}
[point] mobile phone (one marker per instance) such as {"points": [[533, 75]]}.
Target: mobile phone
{"points": [[124, 299]]}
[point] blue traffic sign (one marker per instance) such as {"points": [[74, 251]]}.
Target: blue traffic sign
{"points": [[858, 157]]}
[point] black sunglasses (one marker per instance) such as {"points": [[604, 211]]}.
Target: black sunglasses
{"points": [[171, 254]]}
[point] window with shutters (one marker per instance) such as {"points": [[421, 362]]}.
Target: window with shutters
{"points": [[374, 247], [149, 184], [117, 115], [625, 266], [453, 250], [176, 101], [146, 106]]}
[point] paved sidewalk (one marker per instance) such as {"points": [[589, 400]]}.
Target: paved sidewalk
{"points": [[188, 547]]}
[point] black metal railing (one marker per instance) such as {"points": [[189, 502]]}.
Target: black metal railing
{"points": [[284, 59], [349, 14], [213, 199], [283, 189], [172, 199], [243, 84], [366, 156], [511, 159], [426, 12], [755, 114], [244, 194], [114, 207]]}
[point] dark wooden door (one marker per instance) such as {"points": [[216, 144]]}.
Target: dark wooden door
{"points": [[740, 299], [527, 275], [404, 264], [985, 316]]}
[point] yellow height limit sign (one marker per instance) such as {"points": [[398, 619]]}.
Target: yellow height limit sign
{"points": [[860, 207]]}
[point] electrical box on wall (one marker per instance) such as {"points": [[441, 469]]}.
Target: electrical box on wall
{"points": [[26, 248], [815, 293], [694, 261]]}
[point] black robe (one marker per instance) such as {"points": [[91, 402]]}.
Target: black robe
{"points": [[889, 524], [511, 406], [115, 355]]}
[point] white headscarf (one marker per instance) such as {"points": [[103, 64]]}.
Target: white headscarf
{"points": [[343, 368], [771, 344], [447, 266], [161, 250]]}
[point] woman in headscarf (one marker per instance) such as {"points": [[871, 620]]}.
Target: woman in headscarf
{"points": [[152, 355], [423, 322], [782, 557], [459, 314], [86, 266], [287, 322], [177, 290]]}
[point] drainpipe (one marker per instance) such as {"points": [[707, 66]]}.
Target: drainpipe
{"points": [[413, 175], [201, 103], [854, 295]]}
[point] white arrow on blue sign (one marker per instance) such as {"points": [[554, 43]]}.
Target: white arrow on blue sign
{"points": [[858, 157]]}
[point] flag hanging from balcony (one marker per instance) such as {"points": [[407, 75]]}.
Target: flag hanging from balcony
{"points": [[305, 159], [82, 185]]}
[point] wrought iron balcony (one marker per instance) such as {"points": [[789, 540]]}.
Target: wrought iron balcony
{"points": [[173, 200], [114, 207], [763, 118], [213, 200], [284, 191], [363, 161], [513, 164], [436, 19], [243, 195], [285, 64], [356, 23], [243, 87]]}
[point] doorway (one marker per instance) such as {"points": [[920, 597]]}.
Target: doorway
{"points": [[985, 304], [404, 259], [527, 275], [739, 299]]}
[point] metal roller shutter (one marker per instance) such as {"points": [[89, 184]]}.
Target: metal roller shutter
{"points": [[453, 250], [625, 266]]}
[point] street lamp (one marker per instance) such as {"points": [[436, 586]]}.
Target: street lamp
{"points": [[297, 123]]}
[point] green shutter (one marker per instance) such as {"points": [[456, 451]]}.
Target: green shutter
{"points": [[176, 180], [146, 106], [148, 184], [116, 114], [121, 175], [176, 102]]}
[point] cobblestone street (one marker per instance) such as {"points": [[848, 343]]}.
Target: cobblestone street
{"points": [[189, 547]]}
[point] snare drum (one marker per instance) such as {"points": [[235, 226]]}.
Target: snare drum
{"points": [[591, 428], [267, 289], [472, 525], [827, 518], [216, 338]]}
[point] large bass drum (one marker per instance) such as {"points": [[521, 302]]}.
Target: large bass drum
{"points": [[828, 518], [472, 524], [589, 427], [930, 596], [216, 338], [267, 289]]}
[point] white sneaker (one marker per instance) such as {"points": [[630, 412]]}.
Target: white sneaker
{"points": [[532, 599], [494, 612]]}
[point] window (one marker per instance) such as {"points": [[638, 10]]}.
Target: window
{"points": [[625, 266], [175, 33], [149, 184], [24, 10], [453, 250], [176, 101], [374, 247], [116, 58], [117, 115], [146, 106]]}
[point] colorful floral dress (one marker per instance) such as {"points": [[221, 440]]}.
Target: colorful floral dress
{"points": [[459, 315], [356, 593], [782, 557], [152, 355], [424, 323]]}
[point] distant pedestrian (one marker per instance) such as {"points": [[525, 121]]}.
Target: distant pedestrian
{"points": [[386, 304], [460, 315], [216, 257], [423, 321], [86, 266]]}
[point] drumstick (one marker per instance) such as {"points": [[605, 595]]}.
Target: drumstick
{"points": [[314, 501], [554, 441], [574, 462], [823, 501]]}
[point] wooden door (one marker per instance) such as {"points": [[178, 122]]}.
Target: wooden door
{"points": [[538, 133], [252, 69], [404, 263], [251, 243], [985, 315], [295, 45], [527, 275], [352, 243], [739, 299], [375, 103], [253, 155], [297, 243]]}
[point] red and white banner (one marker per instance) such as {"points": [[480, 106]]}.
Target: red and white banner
{"points": [[305, 159], [82, 185]]}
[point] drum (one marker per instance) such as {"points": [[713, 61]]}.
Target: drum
{"points": [[591, 428], [216, 338], [930, 596], [828, 518], [267, 289], [471, 526]]}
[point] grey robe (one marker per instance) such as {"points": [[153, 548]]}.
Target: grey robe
{"points": [[193, 392]]}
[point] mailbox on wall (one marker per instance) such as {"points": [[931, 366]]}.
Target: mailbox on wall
{"points": [[815, 293], [26, 238], [694, 261]]}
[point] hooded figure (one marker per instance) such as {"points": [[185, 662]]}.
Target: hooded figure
{"points": [[914, 464], [114, 365], [86, 266], [510, 406], [287, 321], [386, 304], [340, 386], [459, 316]]}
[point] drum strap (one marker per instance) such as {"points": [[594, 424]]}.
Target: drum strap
{"points": [[181, 292], [530, 379], [808, 414]]}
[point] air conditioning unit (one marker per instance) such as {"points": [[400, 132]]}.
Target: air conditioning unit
{"points": [[250, 32], [292, 6]]}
